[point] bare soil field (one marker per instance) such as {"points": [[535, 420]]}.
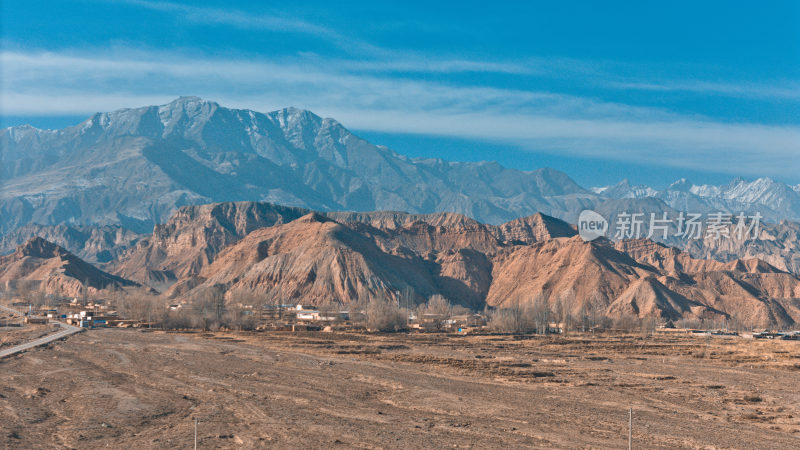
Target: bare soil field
{"points": [[126, 388]]}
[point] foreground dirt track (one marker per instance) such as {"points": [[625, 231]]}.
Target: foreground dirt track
{"points": [[131, 388]]}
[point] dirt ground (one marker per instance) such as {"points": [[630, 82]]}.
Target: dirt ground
{"points": [[126, 388]]}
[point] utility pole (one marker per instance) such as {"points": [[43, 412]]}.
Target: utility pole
{"points": [[407, 298], [195, 433], [630, 428]]}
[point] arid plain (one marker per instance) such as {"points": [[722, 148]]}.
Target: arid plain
{"points": [[124, 387]]}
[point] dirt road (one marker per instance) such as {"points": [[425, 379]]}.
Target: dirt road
{"points": [[64, 331]]}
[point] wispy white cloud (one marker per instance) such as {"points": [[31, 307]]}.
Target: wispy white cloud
{"points": [[235, 18], [743, 149], [781, 90], [290, 82], [600, 74], [41, 83], [257, 21]]}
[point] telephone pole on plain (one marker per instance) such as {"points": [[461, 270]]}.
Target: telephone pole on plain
{"points": [[630, 428], [195, 433], [408, 308]]}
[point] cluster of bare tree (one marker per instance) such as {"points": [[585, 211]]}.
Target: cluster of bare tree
{"points": [[563, 315], [533, 317], [139, 304], [439, 310], [207, 310], [31, 292], [375, 311], [385, 315], [214, 308]]}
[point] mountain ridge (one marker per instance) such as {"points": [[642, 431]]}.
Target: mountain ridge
{"points": [[133, 167]]}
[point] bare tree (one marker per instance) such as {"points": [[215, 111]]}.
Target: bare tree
{"points": [[515, 319], [437, 309], [407, 301], [209, 308], [648, 326], [85, 292], [384, 315], [239, 318], [358, 307], [541, 313], [37, 298], [627, 323], [139, 304]]}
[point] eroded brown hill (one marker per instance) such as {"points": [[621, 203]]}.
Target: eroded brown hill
{"points": [[269, 253], [342, 257], [193, 236], [312, 260], [42, 265]]}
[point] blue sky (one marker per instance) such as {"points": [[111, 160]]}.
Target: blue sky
{"points": [[651, 91]]}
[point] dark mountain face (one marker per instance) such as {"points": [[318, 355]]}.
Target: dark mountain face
{"points": [[134, 167], [95, 244]]}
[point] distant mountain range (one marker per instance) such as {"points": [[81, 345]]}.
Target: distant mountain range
{"points": [[774, 200], [134, 167]]}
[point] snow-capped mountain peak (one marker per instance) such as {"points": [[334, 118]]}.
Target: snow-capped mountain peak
{"points": [[623, 189], [776, 200], [682, 185]]}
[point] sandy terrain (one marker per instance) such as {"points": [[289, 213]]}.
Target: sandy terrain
{"points": [[124, 388]]}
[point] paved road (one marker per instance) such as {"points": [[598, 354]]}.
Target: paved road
{"points": [[66, 330]]}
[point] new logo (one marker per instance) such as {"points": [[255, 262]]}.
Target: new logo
{"points": [[591, 225]]}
